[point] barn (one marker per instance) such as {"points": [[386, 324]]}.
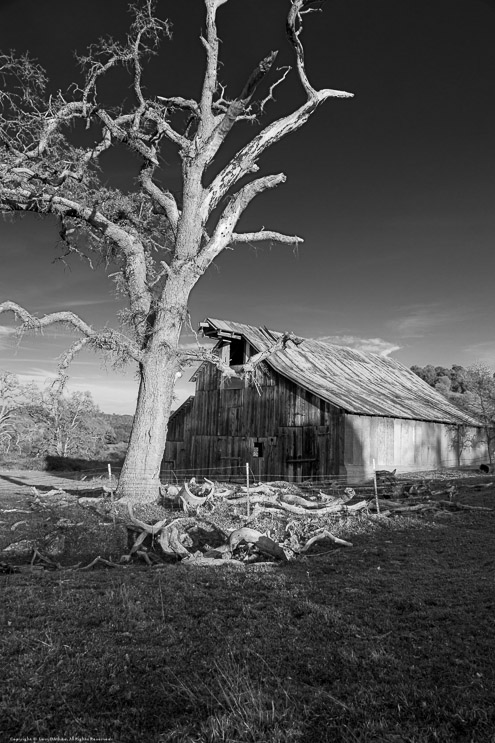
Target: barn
{"points": [[312, 410]]}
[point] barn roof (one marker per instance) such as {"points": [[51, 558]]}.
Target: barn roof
{"points": [[356, 381]]}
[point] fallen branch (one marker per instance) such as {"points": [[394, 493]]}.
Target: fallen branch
{"points": [[480, 486], [191, 501], [454, 505], [261, 488], [170, 543], [144, 555], [322, 537], [297, 500], [316, 509], [251, 537], [149, 528], [99, 559]]}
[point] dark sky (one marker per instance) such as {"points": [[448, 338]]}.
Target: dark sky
{"points": [[393, 190]]}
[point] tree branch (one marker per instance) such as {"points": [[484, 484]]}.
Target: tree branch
{"points": [[279, 344], [207, 119], [262, 235], [294, 30], [235, 110], [224, 230], [186, 104], [108, 339], [164, 198], [245, 160], [130, 245], [246, 370]]}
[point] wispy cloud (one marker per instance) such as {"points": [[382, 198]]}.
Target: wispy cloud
{"points": [[6, 335], [68, 303], [37, 375], [417, 321], [370, 345], [483, 352]]}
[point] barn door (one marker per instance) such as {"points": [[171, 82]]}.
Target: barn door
{"points": [[298, 451]]}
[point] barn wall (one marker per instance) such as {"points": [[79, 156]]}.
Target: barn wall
{"points": [[297, 433], [301, 436], [405, 445]]}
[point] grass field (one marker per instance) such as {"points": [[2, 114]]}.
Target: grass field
{"points": [[390, 640]]}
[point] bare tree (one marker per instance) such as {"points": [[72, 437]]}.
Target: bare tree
{"points": [[480, 398], [162, 243], [9, 393]]}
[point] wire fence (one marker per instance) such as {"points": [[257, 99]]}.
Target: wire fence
{"points": [[243, 474]]}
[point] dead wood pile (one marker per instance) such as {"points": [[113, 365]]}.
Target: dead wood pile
{"points": [[206, 533]]}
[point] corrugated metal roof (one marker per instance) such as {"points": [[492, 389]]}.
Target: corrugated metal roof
{"points": [[356, 381]]}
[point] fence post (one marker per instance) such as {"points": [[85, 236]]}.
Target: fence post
{"points": [[111, 490], [247, 486], [376, 488]]}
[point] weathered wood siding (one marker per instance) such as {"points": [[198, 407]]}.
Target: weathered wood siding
{"points": [[405, 445], [299, 434]]}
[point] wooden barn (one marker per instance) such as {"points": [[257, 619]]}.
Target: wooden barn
{"points": [[313, 410]]}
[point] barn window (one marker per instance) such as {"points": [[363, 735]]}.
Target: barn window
{"points": [[237, 352], [258, 449]]}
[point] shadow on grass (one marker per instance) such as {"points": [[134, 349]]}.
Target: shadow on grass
{"points": [[74, 464]]}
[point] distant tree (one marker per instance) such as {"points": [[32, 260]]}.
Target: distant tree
{"points": [[66, 425], [442, 371], [10, 391], [480, 399], [443, 385], [161, 242], [447, 381], [427, 373], [458, 376], [471, 390]]}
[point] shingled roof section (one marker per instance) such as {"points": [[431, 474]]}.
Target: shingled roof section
{"points": [[356, 381]]}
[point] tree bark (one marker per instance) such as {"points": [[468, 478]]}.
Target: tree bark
{"points": [[139, 480]]}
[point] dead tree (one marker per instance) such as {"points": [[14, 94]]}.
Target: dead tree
{"points": [[162, 243]]}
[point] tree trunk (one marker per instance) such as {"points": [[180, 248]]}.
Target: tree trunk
{"points": [[139, 480]]}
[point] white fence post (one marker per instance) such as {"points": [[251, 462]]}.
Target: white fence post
{"points": [[247, 486], [376, 488]]}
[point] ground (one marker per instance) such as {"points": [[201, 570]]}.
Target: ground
{"points": [[57, 525], [389, 640]]}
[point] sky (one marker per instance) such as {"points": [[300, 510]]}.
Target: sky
{"points": [[393, 190]]}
